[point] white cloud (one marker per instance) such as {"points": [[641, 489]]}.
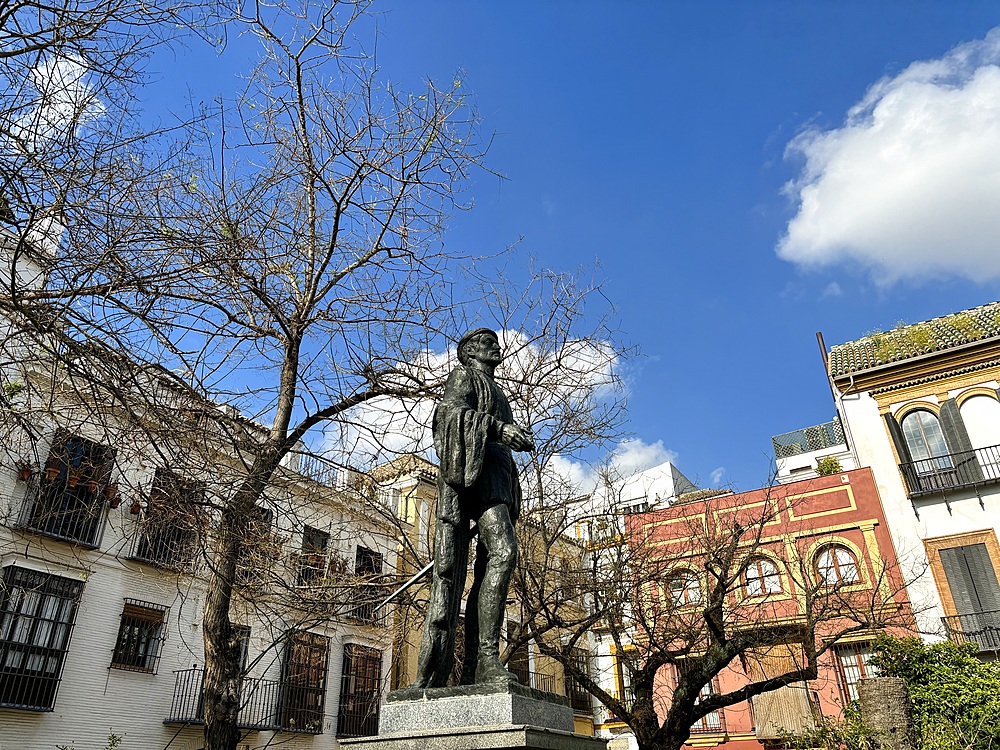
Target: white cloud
{"points": [[907, 186], [831, 290], [61, 101], [632, 456], [549, 382], [717, 475]]}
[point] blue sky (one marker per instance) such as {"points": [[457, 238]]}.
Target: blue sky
{"points": [[654, 138], [681, 145]]}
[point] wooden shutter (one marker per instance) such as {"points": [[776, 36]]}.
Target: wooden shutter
{"points": [[788, 708], [971, 577]]}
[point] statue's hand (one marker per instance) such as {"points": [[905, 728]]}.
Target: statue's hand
{"points": [[517, 438]]}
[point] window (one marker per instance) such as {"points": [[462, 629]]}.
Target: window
{"points": [[712, 722], [836, 565], [761, 577], [972, 582], [312, 559], [359, 692], [68, 501], [852, 667], [37, 612], [981, 416], [140, 636], [257, 549], [579, 698], [304, 683], [926, 442], [367, 593], [168, 534], [684, 588]]}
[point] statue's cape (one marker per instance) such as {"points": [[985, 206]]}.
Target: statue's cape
{"points": [[463, 424]]}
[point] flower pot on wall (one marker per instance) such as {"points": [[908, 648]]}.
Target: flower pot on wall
{"points": [[74, 479], [51, 473], [24, 473], [135, 508], [92, 486]]}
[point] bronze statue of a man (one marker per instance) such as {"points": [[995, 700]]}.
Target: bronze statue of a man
{"points": [[474, 434]]}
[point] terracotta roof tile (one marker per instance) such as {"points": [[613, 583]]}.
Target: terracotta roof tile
{"points": [[906, 342]]}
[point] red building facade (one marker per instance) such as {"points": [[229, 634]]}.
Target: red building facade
{"points": [[815, 553]]}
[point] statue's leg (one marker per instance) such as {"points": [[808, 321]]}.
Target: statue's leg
{"points": [[496, 532], [437, 649], [472, 616]]}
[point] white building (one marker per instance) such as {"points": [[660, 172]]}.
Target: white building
{"points": [[103, 583], [920, 405]]}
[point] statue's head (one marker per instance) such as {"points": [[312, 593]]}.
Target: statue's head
{"points": [[482, 344]]}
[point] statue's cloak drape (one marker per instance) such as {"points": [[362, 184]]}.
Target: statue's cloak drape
{"points": [[474, 467]]}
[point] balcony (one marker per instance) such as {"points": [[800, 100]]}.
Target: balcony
{"points": [[808, 439], [265, 705], [981, 628], [952, 471], [66, 510]]}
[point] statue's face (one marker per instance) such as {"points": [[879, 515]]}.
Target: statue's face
{"points": [[487, 349]]}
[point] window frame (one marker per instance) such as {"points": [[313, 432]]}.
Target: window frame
{"points": [[862, 651], [762, 578], [839, 580], [142, 630], [163, 538], [24, 598], [690, 594], [360, 691], [68, 500], [304, 670]]}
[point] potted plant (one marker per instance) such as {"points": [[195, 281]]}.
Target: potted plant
{"points": [[92, 486], [25, 469], [74, 478], [52, 472], [135, 508], [111, 493]]}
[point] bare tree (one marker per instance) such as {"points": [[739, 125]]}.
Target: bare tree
{"points": [[670, 589], [224, 292]]}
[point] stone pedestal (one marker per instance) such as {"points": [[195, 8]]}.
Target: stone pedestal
{"points": [[476, 717]]}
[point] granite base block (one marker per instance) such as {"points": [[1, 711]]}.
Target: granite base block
{"points": [[415, 709], [478, 738]]}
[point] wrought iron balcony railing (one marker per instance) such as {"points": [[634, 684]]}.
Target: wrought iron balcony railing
{"points": [[981, 628], [952, 471], [264, 704], [62, 509]]}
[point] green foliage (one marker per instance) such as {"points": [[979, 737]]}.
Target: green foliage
{"points": [[848, 733], [828, 465], [12, 389], [955, 696]]}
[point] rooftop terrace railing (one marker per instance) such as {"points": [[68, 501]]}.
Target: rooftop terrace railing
{"points": [[815, 438]]}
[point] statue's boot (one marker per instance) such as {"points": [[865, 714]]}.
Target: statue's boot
{"points": [[488, 667]]}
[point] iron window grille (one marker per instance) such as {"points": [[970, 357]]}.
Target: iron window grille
{"points": [[304, 682], [359, 692], [852, 667], [68, 499], [168, 534], [37, 614], [140, 637]]}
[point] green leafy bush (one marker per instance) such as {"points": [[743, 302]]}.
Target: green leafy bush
{"points": [[828, 465], [955, 696]]}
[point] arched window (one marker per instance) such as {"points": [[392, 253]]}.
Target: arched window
{"points": [[836, 564], [981, 416], [761, 577], [684, 588], [926, 442]]}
